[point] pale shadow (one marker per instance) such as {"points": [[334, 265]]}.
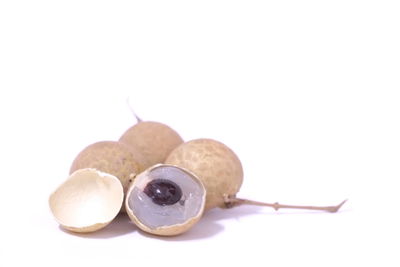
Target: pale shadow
{"points": [[121, 225], [208, 225], [202, 230]]}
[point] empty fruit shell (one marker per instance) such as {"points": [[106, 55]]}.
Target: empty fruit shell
{"points": [[87, 201]]}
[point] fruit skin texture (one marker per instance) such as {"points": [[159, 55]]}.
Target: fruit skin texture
{"points": [[153, 140], [215, 164], [110, 157]]}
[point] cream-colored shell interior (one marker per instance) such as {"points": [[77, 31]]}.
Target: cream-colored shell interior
{"points": [[87, 201]]}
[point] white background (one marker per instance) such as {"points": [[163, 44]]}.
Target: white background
{"points": [[305, 92]]}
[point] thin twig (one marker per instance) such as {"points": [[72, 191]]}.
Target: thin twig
{"points": [[138, 119], [232, 201]]}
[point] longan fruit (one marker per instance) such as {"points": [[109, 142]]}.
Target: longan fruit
{"points": [[221, 172], [215, 164], [152, 140], [110, 157], [165, 200]]}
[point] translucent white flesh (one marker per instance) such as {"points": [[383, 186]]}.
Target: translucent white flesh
{"points": [[87, 198], [153, 215]]}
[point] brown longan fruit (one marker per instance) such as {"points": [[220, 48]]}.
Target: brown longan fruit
{"points": [[152, 140], [110, 157], [215, 164], [221, 172]]}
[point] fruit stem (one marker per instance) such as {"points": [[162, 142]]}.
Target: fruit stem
{"points": [[138, 119], [233, 201]]}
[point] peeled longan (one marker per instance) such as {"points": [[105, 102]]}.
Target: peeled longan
{"points": [[215, 164], [165, 200], [152, 140], [110, 157]]}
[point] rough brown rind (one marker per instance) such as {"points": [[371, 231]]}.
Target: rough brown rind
{"points": [[153, 140], [111, 157], [215, 164]]}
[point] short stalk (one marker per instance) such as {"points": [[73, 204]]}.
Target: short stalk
{"points": [[233, 201], [138, 119]]}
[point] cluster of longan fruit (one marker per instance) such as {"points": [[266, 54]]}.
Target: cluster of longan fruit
{"points": [[163, 183]]}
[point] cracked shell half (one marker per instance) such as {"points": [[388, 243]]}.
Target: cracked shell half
{"points": [[87, 201]]}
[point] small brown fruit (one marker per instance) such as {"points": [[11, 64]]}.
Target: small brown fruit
{"points": [[215, 164], [220, 170], [165, 200], [87, 201], [110, 157], [153, 140]]}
